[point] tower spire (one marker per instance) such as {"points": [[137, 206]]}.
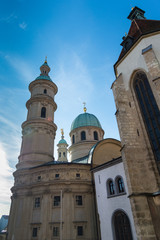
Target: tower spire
{"points": [[84, 108]]}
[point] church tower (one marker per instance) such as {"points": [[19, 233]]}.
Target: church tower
{"points": [[39, 129], [137, 97], [62, 149]]}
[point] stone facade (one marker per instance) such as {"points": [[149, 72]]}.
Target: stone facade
{"points": [[141, 168], [66, 181]]}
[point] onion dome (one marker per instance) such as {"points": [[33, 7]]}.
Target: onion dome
{"points": [[45, 69], [85, 119], [62, 141]]}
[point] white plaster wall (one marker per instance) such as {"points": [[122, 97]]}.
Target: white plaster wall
{"points": [[135, 59], [107, 206]]}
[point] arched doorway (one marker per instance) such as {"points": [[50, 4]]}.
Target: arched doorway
{"points": [[121, 225]]}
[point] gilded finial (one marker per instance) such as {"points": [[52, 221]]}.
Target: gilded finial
{"points": [[84, 109], [62, 132], [132, 8], [46, 59]]}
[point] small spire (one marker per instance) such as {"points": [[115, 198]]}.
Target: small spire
{"points": [[45, 59], [62, 132], [84, 109]]}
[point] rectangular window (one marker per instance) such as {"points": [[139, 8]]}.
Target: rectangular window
{"points": [[78, 175], [79, 231], [55, 231], [56, 175], [56, 201], [79, 200], [34, 232], [37, 202]]}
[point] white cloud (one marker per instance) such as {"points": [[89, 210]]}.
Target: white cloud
{"points": [[6, 182], [23, 25]]}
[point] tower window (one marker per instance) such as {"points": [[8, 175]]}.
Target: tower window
{"points": [[78, 175], [110, 187], [64, 154], [59, 154], [79, 201], [43, 112], [79, 231], [45, 91], [73, 139], [120, 185], [83, 135], [95, 135], [149, 111]]}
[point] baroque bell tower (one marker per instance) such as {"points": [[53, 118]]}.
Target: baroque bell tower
{"points": [[38, 131]]}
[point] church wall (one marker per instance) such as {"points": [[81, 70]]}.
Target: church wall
{"points": [[139, 162], [108, 205]]}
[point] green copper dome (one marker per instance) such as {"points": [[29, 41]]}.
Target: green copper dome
{"points": [[85, 119], [62, 141]]}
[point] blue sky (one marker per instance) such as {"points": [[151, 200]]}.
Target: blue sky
{"points": [[81, 39]]}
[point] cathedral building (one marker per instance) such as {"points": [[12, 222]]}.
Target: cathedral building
{"points": [[97, 189]]}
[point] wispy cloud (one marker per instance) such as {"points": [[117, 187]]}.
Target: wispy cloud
{"points": [[74, 80], [21, 67], [23, 25], [9, 19], [6, 182], [13, 18]]}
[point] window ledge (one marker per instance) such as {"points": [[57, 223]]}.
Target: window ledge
{"points": [[117, 195]]}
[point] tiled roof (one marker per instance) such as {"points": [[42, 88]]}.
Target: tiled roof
{"points": [[138, 28]]}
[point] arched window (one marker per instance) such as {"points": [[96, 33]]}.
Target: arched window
{"points": [[45, 91], [59, 154], [64, 154], [120, 185], [43, 112], [73, 139], [110, 187], [149, 111], [121, 226], [83, 135], [95, 135]]}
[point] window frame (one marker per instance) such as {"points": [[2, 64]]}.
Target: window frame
{"points": [[95, 135], [80, 231], [55, 233], [79, 200], [37, 202], [34, 232], [118, 192], [149, 113], [43, 112], [56, 201], [83, 135], [109, 194]]}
